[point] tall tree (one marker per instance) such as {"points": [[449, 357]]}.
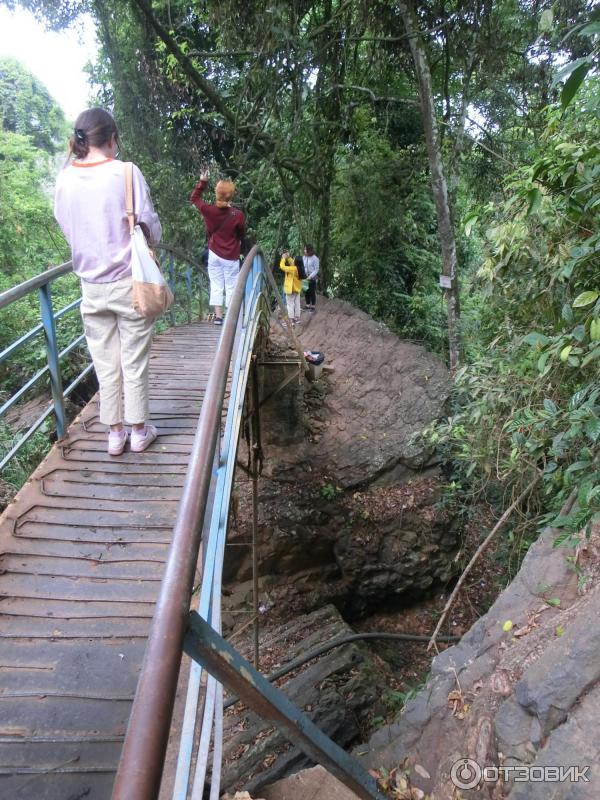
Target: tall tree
{"points": [[438, 178], [27, 108]]}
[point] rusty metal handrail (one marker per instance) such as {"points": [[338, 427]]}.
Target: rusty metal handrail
{"points": [[213, 546], [142, 758]]}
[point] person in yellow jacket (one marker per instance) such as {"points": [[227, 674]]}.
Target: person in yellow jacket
{"points": [[292, 286]]}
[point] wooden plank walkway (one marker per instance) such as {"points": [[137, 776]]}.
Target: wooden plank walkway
{"points": [[82, 552]]}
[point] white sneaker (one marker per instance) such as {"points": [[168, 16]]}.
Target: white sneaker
{"points": [[140, 440], [116, 442]]}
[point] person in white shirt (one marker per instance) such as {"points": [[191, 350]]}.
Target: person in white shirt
{"points": [[90, 208], [311, 269]]}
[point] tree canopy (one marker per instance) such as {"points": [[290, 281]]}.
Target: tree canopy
{"points": [[27, 109], [406, 142]]}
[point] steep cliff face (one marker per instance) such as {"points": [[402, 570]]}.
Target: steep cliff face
{"points": [[347, 495], [522, 688], [380, 392]]}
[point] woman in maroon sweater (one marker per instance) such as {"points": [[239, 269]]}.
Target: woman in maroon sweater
{"points": [[225, 227]]}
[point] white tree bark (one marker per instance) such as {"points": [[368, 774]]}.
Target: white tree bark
{"points": [[438, 179]]}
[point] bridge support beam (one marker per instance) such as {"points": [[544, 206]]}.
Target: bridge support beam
{"points": [[207, 647]]}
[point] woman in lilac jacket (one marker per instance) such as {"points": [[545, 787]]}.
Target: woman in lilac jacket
{"points": [[90, 208]]}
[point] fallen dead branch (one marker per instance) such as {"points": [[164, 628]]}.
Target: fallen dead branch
{"points": [[481, 549]]}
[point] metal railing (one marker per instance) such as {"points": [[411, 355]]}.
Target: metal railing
{"points": [[143, 754], [189, 282], [174, 628], [212, 464], [254, 313]]}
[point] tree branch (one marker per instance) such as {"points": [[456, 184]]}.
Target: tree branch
{"points": [[375, 98], [481, 549], [262, 143]]}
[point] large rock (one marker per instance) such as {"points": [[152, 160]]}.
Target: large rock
{"points": [[354, 549], [528, 696], [337, 691], [382, 391], [308, 784], [345, 514]]}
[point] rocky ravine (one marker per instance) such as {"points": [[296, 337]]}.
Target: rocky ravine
{"points": [[346, 517], [346, 521], [328, 529], [525, 696]]}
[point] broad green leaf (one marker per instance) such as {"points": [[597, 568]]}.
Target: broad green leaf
{"points": [[592, 202], [546, 21], [534, 196], [591, 29], [585, 299], [592, 429], [567, 311], [535, 338], [577, 399], [569, 68], [568, 268], [577, 467], [470, 220], [564, 353], [550, 406], [541, 364], [579, 333], [595, 330], [575, 80]]}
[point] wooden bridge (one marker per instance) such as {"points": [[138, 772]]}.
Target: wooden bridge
{"points": [[83, 548], [98, 559]]}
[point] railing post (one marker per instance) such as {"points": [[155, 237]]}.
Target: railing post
{"points": [[172, 284], [200, 295], [53, 362], [188, 286]]}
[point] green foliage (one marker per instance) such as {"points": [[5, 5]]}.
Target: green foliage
{"points": [[26, 108], [30, 239], [384, 245], [20, 467], [32, 130], [530, 399], [329, 491]]}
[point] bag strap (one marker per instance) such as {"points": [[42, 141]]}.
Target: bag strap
{"points": [[129, 195]]}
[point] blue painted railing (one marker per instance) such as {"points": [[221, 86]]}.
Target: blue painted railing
{"points": [[255, 313], [189, 282]]}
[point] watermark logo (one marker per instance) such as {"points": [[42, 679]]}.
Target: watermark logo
{"points": [[467, 774]]}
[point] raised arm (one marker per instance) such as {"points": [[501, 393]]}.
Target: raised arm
{"points": [[283, 265], [196, 195]]}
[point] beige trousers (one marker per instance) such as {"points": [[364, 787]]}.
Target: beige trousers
{"points": [[119, 342], [292, 302]]}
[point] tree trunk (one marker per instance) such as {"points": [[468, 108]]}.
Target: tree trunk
{"points": [[438, 180]]}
